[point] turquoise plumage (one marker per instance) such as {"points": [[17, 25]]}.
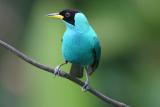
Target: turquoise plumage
{"points": [[78, 41], [80, 44]]}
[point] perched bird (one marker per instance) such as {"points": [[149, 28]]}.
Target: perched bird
{"points": [[80, 44]]}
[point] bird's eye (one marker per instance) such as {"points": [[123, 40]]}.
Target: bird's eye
{"points": [[67, 14]]}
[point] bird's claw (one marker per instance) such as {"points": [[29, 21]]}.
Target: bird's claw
{"points": [[85, 87], [57, 71]]}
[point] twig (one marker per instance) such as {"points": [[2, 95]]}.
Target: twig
{"points": [[62, 74]]}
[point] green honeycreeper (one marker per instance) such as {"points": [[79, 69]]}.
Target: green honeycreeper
{"points": [[80, 44]]}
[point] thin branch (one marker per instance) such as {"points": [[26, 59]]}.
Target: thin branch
{"points": [[62, 74]]}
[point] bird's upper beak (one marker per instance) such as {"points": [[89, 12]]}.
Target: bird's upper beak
{"points": [[55, 15]]}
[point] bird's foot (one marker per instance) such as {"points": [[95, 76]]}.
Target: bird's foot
{"points": [[57, 70], [85, 87]]}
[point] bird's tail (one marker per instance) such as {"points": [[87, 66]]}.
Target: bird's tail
{"points": [[76, 71]]}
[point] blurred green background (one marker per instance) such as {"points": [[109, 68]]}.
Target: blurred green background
{"points": [[129, 70]]}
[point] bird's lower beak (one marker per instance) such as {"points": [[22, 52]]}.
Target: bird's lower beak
{"points": [[55, 15]]}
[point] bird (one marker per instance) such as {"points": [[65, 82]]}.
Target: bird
{"points": [[80, 44]]}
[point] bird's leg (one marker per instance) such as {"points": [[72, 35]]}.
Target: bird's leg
{"points": [[85, 87], [57, 68]]}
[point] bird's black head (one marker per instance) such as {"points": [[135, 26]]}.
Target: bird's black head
{"points": [[66, 15]]}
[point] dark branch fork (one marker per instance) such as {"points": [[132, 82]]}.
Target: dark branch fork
{"points": [[62, 74]]}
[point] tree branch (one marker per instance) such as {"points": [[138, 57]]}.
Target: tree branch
{"points": [[62, 74]]}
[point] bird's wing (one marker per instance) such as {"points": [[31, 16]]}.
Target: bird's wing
{"points": [[96, 55]]}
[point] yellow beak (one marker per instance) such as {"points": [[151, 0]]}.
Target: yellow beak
{"points": [[55, 15]]}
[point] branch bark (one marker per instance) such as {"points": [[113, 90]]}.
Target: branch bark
{"points": [[63, 74]]}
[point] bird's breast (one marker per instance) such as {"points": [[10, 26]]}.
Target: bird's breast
{"points": [[76, 48]]}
